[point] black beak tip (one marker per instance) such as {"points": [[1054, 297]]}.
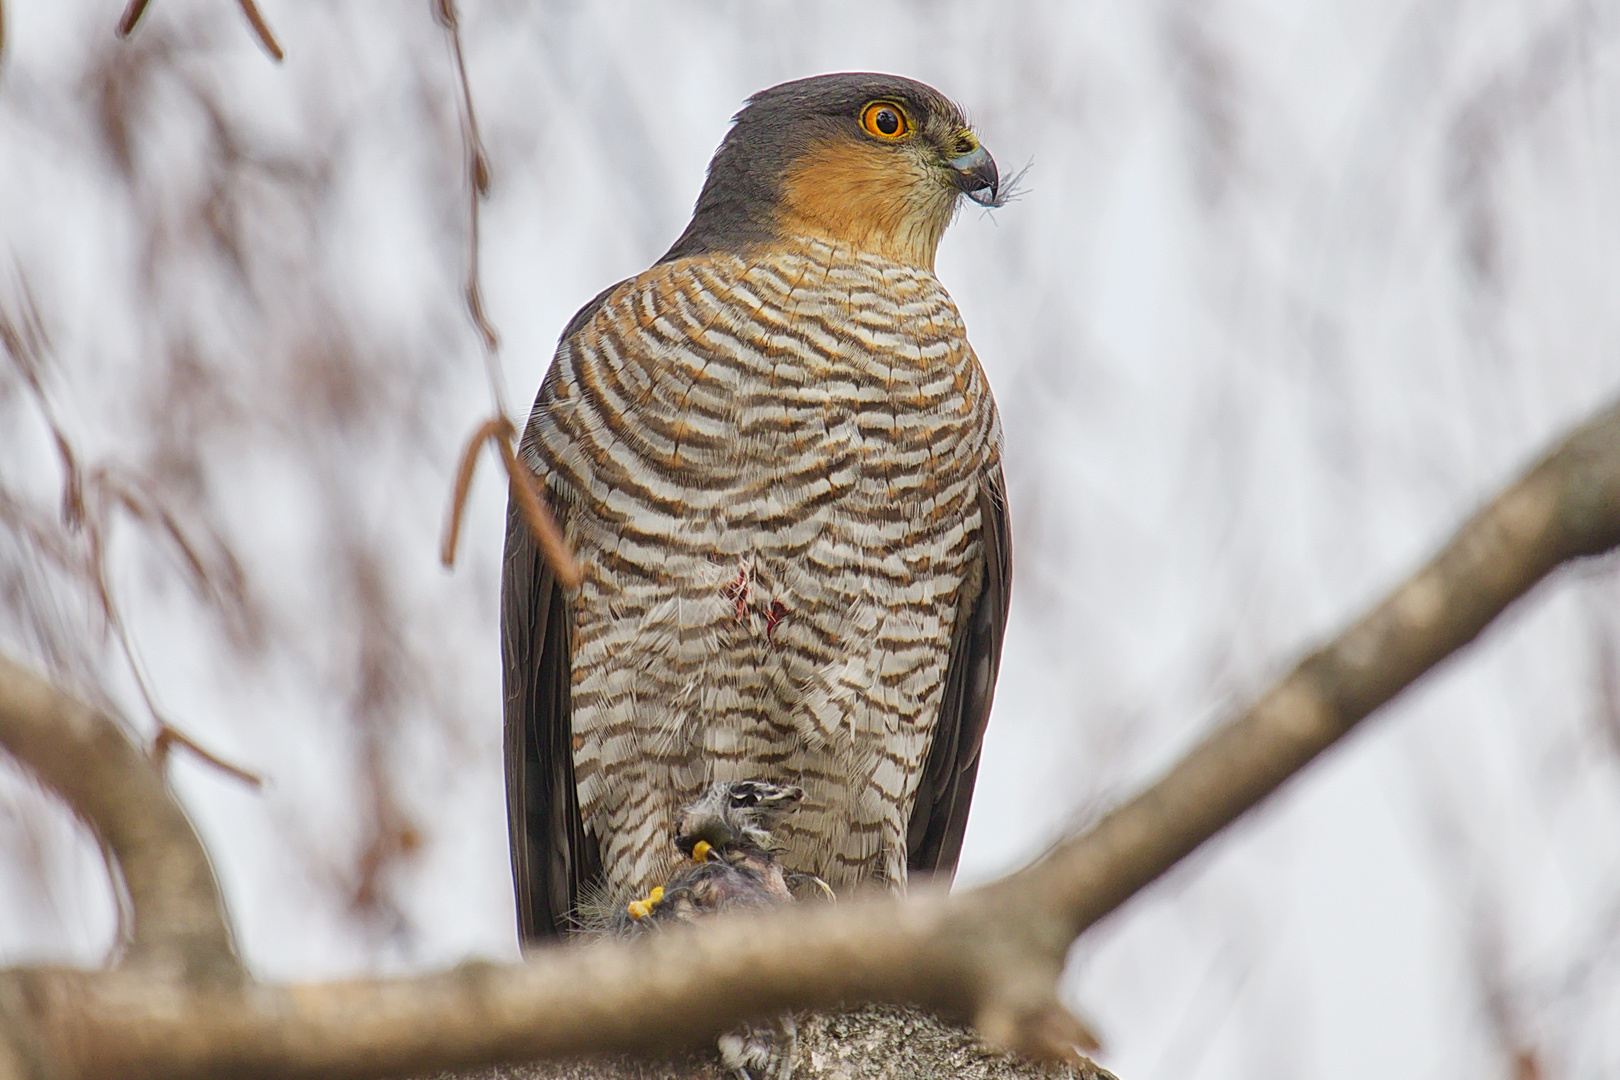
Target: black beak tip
{"points": [[713, 831], [977, 178]]}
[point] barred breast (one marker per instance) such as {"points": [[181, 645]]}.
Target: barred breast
{"points": [[769, 468]]}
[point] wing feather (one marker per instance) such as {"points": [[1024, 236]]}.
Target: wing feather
{"points": [[945, 790], [555, 860]]}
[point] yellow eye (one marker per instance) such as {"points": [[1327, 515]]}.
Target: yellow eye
{"points": [[886, 120]]}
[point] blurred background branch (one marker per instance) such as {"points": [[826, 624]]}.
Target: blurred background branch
{"points": [[261, 30], [176, 929]]}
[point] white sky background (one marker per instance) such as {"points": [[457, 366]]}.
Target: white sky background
{"points": [[1292, 288]]}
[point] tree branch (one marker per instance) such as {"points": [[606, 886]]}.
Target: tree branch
{"points": [[176, 926], [992, 955], [137, 10], [1567, 506]]}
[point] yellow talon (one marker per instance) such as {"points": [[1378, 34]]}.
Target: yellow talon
{"points": [[640, 909], [700, 851]]}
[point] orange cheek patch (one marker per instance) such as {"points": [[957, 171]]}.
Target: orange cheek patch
{"points": [[874, 197]]}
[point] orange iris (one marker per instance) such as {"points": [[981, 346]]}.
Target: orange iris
{"points": [[885, 119]]}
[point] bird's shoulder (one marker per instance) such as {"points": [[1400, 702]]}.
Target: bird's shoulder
{"points": [[711, 349]]}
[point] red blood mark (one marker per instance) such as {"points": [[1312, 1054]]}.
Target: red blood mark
{"points": [[777, 613], [737, 593]]}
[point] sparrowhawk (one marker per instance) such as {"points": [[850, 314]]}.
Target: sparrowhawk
{"points": [[776, 457]]}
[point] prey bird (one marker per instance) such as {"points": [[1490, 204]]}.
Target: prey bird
{"points": [[731, 859], [731, 866], [777, 460]]}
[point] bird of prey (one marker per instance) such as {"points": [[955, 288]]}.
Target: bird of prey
{"points": [[778, 461]]}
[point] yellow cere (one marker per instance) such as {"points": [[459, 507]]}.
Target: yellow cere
{"points": [[700, 851], [655, 897]]}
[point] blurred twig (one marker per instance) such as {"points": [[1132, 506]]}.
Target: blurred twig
{"points": [[524, 487], [85, 502], [168, 736], [177, 923], [131, 17], [1606, 645], [477, 163], [499, 429], [261, 30], [1500, 1000]]}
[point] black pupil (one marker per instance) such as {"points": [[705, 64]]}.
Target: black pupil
{"points": [[886, 121], [744, 798]]}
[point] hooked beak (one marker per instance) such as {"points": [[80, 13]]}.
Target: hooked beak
{"points": [[976, 176]]}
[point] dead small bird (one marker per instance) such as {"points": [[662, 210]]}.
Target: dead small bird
{"points": [[726, 835]]}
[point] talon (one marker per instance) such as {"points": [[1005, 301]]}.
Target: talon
{"points": [[700, 851], [640, 909]]}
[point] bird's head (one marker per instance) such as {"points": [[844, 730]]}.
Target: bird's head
{"points": [[732, 813], [876, 161]]}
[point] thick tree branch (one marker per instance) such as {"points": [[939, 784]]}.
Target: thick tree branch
{"points": [[992, 955], [1565, 507], [176, 922]]}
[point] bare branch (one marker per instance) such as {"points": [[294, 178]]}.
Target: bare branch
{"points": [[168, 735], [525, 488], [670, 989], [137, 10], [131, 17], [477, 162], [489, 429], [177, 925], [261, 30], [1566, 507], [26, 343], [531, 500]]}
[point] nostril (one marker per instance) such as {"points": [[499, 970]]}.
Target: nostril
{"points": [[965, 144]]}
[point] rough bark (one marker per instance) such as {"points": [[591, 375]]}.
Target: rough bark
{"points": [[879, 1042]]}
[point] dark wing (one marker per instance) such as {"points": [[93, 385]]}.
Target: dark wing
{"points": [[939, 816], [554, 859]]}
